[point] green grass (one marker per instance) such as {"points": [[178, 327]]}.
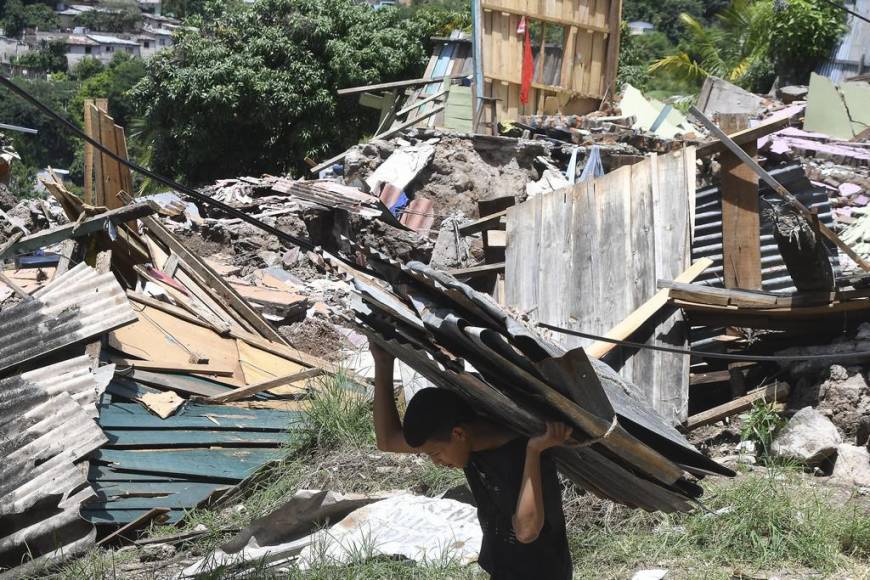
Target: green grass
{"points": [[773, 522]]}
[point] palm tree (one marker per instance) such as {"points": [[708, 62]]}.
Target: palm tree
{"points": [[727, 51]]}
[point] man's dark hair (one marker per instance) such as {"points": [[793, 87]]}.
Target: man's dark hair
{"points": [[432, 414]]}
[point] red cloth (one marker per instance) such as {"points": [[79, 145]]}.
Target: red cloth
{"points": [[528, 63]]}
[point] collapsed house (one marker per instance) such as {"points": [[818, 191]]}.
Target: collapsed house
{"points": [[576, 259]]}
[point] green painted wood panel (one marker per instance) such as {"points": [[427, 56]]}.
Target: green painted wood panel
{"points": [[224, 465], [458, 114], [196, 416], [101, 515], [121, 438]]}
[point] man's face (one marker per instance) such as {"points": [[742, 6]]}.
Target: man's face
{"points": [[452, 453]]}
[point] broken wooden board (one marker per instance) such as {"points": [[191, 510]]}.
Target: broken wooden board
{"points": [[267, 385], [259, 366], [776, 392], [161, 337]]}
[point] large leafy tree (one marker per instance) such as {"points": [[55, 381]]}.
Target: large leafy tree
{"points": [[254, 90], [16, 15]]}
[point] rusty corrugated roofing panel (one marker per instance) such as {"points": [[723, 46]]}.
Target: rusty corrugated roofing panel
{"points": [[72, 308], [419, 215], [44, 432]]}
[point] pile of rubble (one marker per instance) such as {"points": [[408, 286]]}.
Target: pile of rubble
{"points": [[528, 271]]}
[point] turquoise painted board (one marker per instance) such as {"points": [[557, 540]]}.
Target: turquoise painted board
{"points": [[120, 438], [178, 496], [104, 473], [195, 416], [225, 465]]}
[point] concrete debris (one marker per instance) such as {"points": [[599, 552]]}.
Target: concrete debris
{"points": [[718, 96], [809, 438], [853, 466], [844, 396]]}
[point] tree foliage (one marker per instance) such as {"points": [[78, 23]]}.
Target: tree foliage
{"points": [[50, 57], [115, 83], [752, 40], [254, 90], [18, 15], [663, 14]]}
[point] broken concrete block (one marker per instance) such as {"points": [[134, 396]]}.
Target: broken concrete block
{"points": [[826, 112], [793, 93], [720, 96], [809, 438], [852, 466]]}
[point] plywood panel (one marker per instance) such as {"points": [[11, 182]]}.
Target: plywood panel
{"points": [[159, 336], [259, 365]]}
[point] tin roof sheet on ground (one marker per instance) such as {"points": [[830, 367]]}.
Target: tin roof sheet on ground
{"points": [[44, 431]]}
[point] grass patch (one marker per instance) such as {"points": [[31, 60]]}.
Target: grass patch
{"points": [[339, 416], [758, 522]]}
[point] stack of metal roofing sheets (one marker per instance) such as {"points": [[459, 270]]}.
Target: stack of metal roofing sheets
{"points": [[463, 340], [46, 428]]}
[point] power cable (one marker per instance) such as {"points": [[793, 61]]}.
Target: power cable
{"points": [[844, 9], [188, 191], [704, 354]]}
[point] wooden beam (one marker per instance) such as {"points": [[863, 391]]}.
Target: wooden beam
{"points": [[536, 15], [15, 287], [481, 270], [647, 310], [775, 392], [777, 187], [429, 99], [250, 390], [210, 281], [409, 123], [741, 233], [710, 295], [742, 137], [172, 367], [396, 84], [82, 229], [490, 222]]}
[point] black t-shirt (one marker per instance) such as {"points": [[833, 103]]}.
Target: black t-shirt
{"points": [[494, 476]]}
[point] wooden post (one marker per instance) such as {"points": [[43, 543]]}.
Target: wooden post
{"points": [[741, 242]]}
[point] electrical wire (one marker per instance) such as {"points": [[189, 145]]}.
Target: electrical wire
{"points": [[183, 189], [704, 354], [844, 9]]}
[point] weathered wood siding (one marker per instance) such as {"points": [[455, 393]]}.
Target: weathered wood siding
{"points": [[585, 257]]}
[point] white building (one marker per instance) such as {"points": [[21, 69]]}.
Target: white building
{"points": [[639, 27], [10, 48]]}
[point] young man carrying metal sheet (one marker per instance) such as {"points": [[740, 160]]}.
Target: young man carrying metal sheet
{"points": [[512, 478]]}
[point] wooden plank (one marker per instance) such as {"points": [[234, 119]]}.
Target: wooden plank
{"points": [[178, 382], [150, 438], [123, 533], [213, 283], [776, 392], [259, 365], [612, 60], [396, 84], [741, 237], [79, 230], [777, 187], [418, 104], [490, 222], [743, 137], [126, 174], [244, 392], [197, 416], [232, 465], [481, 270], [112, 180], [537, 15], [88, 193], [15, 287], [100, 515], [172, 367]]}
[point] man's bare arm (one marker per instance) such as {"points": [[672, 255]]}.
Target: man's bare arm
{"points": [[388, 427], [528, 518]]}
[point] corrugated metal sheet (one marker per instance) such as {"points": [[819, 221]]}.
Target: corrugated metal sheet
{"points": [[707, 242], [845, 58], [462, 340], [72, 308], [44, 431]]}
